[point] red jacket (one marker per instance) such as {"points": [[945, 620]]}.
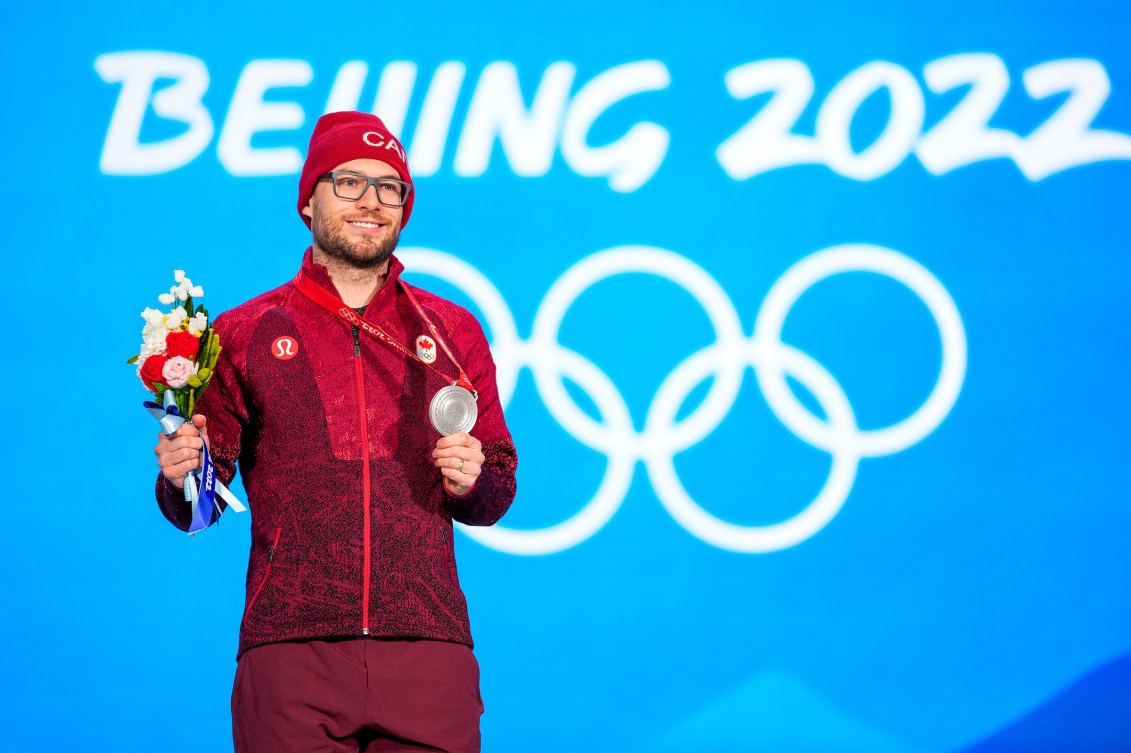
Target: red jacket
{"points": [[330, 557]]}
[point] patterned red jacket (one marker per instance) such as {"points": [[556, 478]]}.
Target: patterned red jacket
{"points": [[328, 556]]}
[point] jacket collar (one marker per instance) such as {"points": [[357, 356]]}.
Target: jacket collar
{"points": [[321, 275]]}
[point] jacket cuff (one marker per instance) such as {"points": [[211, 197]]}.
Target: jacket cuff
{"points": [[483, 504], [173, 504]]}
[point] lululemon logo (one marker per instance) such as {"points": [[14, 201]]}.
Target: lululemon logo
{"points": [[284, 348]]}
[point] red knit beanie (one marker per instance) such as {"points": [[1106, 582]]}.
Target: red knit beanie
{"points": [[343, 136]]}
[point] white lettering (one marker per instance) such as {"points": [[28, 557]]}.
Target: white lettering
{"points": [[1067, 138], [427, 148], [169, 88], [394, 91], [528, 137], [376, 139], [345, 94], [630, 161], [767, 141], [891, 147], [123, 153], [964, 136], [250, 114]]}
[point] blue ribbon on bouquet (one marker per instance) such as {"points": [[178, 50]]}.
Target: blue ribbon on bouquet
{"points": [[203, 500]]}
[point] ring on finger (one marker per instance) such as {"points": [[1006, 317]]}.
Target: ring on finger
{"points": [[460, 466]]}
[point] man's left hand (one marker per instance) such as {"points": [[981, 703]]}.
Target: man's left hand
{"points": [[460, 459]]}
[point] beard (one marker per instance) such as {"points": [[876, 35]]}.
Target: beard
{"points": [[364, 253]]}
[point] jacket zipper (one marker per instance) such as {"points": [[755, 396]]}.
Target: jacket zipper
{"points": [[266, 573], [366, 564]]}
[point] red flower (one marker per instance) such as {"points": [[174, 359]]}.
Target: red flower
{"points": [[151, 370], [182, 344]]}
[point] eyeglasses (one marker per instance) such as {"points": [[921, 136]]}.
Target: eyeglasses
{"points": [[352, 186]]}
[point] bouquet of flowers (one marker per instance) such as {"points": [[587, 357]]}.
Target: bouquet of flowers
{"points": [[178, 349], [178, 354]]}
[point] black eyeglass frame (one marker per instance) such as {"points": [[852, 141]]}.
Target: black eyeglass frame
{"points": [[375, 182]]}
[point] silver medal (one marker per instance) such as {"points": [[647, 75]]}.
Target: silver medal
{"points": [[453, 410]]}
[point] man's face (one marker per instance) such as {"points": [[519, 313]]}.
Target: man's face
{"points": [[362, 233]]}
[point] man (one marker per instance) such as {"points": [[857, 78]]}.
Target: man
{"points": [[355, 633]]}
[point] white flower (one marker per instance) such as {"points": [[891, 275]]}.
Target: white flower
{"points": [[198, 323], [166, 298], [153, 333], [183, 289], [175, 318], [154, 337], [149, 349], [153, 317], [186, 288]]}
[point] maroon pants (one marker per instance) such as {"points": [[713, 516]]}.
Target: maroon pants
{"points": [[360, 694]]}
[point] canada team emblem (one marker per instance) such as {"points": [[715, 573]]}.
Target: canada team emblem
{"points": [[426, 348]]}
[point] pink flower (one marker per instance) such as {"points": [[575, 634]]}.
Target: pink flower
{"points": [[177, 370]]}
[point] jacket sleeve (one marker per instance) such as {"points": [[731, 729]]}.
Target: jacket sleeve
{"points": [[223, 404], [494, 490]]}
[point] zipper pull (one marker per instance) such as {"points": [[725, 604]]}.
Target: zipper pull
{"points": [[271, 554], [356, 341]]}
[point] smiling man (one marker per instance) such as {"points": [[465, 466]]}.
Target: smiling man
{"points": [[364, 417]]}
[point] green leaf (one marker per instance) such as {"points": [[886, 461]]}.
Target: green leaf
{"points": [[182, 401], [188, 306], [133, 359], [209, 350]]}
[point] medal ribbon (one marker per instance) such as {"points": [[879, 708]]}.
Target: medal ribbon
{"points": [[336, 305]]}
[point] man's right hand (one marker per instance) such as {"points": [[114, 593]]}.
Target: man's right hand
{"points": [[179, 454]]}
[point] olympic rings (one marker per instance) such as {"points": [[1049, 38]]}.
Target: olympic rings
{"points": [[663, 437]]}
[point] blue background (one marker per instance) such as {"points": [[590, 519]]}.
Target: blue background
{"points": [[973, 593]]}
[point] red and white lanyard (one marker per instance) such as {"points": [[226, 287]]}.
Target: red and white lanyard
{"points": [[336, 305]]}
